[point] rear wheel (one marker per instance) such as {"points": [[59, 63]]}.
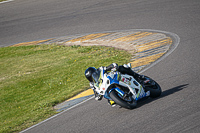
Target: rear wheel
{"points": [[126, 102], [154, 88]]}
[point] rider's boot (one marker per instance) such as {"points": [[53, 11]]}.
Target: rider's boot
{"points": [[142, 77], [146, 81], [112, 103]]}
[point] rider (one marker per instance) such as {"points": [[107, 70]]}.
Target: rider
{"points": [[124, 69]]}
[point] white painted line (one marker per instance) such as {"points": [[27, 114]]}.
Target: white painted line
{"points": [[6, 1]]}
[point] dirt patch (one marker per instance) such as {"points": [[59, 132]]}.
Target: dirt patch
{"points": [[98, 42]]}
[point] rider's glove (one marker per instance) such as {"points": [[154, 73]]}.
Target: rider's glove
{"points": [[113, 69], [97, 96]]}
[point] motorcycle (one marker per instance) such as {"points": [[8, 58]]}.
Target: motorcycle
{"points": [[124, 89]]}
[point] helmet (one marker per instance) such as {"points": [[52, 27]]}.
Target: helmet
{"points": [[88, 73]]}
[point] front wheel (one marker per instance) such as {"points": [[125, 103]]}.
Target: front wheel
{"points": [[123, 103]]}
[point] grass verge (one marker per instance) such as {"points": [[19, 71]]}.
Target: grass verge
{"points": [[2, 0], [35, 78]]}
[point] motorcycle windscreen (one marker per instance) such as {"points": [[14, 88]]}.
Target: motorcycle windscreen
{"points": [[96, 76]]}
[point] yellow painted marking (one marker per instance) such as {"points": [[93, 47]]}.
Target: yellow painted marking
{"points": [[89, 37], [30, 43], [145, 60], [153, 44], [83, 94], [133, 37]]}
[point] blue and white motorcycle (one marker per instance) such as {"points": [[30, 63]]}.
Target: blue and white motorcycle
{"points": [[124, 89]]}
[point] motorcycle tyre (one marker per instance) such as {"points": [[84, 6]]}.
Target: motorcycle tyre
{"points": [[114, 96], [154, 92]]}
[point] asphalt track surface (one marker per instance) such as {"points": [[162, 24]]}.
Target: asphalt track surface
{"points": [[178, 108]]}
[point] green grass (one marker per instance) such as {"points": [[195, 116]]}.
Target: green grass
{"points": [[2, 0], [35, 78]]}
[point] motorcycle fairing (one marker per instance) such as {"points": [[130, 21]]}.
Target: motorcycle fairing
{"points": [[106, 80]]}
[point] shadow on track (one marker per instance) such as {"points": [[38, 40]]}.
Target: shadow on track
{"points": [[163, 94]]}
